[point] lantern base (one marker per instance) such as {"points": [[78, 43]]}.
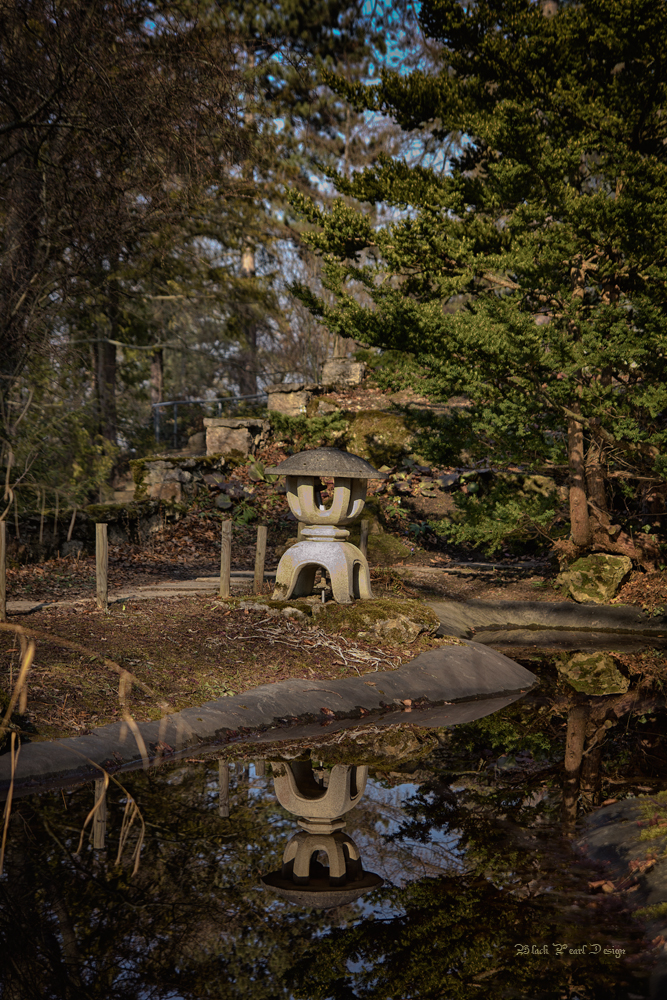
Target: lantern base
{"points": [[345, 563]]}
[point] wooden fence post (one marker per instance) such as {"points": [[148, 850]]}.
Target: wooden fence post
{"points": [[225, 558], [363, 537], [260, 558], [260, 768], [223, 785], [102, 566], [100, 817], [3, 571]]}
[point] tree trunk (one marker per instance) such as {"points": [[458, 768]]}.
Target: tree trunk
{"points": [[595, 484], [248, 372], [595, 478], [157, 376], [577, 718], [248, 356], [579, 519], [106, 389], [590, 779], [107, 361]]}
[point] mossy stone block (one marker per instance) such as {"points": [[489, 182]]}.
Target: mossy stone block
{"points": [[595, 579], [381, 437], [594, 674]]}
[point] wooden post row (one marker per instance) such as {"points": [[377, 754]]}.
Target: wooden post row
{"points": [[363, 537], [260, 558], [100, 817], [223, 786], [102, 566], [225, 558]]}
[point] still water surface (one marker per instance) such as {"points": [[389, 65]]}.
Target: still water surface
{"points": [[500, 878]]}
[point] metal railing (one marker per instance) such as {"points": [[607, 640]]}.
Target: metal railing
{"points": [[220, 401]]}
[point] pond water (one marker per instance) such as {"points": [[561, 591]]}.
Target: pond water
{"points": [[518, 856]]}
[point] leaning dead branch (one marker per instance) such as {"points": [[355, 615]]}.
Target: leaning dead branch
{"points": [[18, 694], [14, 749]]}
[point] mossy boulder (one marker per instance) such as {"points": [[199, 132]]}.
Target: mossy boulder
{"points": [[396, 619], [595, 579], [393, 618], [381, 437], [397, 629], [320, 406], [172, 477], [593, 674]]}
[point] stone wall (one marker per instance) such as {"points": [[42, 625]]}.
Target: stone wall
{"points": [[291, 398], [174, 478], [343, 372], [226, 434]]}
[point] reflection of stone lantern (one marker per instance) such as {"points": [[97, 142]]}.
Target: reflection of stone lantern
{"points": [[302, 878], [324, 539]]}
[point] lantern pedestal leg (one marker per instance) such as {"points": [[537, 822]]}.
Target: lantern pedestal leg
{"points": [[345, 563], [341, 852]]}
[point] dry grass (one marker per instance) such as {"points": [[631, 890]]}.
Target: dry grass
{"points": [[150, 657]]}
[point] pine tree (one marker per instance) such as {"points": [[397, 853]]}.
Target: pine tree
{"points": [[302, 130], [530, 276]]}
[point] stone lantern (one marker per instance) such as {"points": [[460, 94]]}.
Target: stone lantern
{"points": [[303, 878], [324, 539]]}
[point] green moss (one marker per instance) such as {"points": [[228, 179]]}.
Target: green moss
{"points": [[323, 405], [656, 912], [388, 748], [299, 604], [383, 549], [593, 674], [364, 616], [386, 550], [653, 810], [357, 619], [103, 513], [138, 467], [381, 437], [656, 832]]}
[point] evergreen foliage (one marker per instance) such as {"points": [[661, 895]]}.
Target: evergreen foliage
{"points": [[530, 276]]}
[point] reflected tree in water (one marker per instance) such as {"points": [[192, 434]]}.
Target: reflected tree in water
{"points": [[193, 922]]}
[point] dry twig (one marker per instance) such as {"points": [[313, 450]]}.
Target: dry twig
{"points": [[288, 634]]}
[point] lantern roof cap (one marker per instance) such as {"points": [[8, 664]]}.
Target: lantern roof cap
{"points": [[326, 462]]}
